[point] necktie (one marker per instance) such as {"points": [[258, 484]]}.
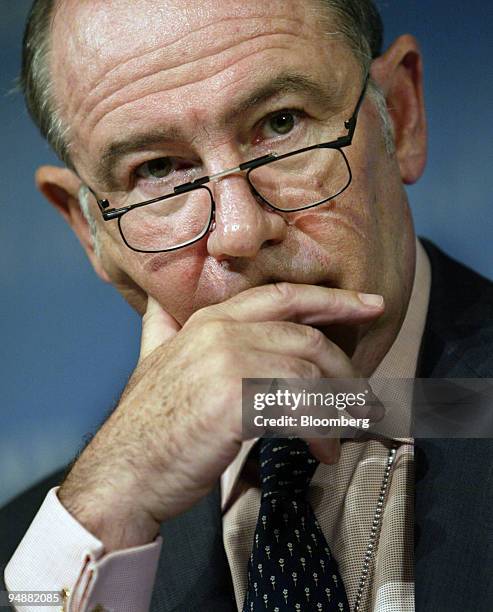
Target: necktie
{"points": [[291, 566]]}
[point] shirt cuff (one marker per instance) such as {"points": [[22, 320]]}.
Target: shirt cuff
{"points": [[58, 553]]}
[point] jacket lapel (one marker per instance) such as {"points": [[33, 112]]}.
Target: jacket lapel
{"points": [[454, 482]]}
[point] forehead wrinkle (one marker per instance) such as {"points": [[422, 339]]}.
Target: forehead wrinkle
{"points": [[140, 95], [152, 58]]}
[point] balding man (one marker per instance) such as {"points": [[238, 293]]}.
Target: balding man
{"points": [[236, 170]]}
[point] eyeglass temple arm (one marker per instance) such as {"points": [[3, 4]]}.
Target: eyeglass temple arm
{"points": [[103, 204], [350, 124]]}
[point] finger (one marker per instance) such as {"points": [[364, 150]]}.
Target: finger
{"points": [[158, 327], [307, 304], [302, 341], [326, 450], [272, 367]]}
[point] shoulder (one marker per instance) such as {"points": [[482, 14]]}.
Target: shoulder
{"points": [[458, 338], [17, 515]]}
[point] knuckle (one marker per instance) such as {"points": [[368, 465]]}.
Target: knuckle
{"points": [[306, 369], [207, 314], [310, 370], [195, 318], [315, 339], [283, 291], [336, 299], [212, 331], [221, 360]]}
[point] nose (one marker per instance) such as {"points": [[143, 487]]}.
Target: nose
{"points": [[243, 225]]}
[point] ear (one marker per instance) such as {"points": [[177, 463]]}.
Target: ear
{"points": [[60, 186], [399, 74]]}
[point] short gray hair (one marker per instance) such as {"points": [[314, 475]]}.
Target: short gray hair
{"points": [[361, 26], [35, 78], [360, 23], [357, 20]]}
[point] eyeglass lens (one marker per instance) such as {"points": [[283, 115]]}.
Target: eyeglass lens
{"points": [[295, 182]]}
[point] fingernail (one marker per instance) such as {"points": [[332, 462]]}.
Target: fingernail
{"points": [[371, 299]]}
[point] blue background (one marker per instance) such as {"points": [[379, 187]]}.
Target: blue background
{"points": [[62, 366]]}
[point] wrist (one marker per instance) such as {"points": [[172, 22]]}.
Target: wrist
{"points": [[109, 516]]}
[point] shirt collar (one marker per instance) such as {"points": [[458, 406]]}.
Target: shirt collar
{"points": [[400, 360]]}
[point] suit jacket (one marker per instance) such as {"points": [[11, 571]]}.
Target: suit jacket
{"points": [[454, 482]]}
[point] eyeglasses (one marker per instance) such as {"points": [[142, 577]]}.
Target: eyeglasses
{"points": [[287, 182]]}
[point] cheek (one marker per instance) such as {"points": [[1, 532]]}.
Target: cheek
{"points": [[374, 193], [345, 221], [179, 300], [171, 278]]}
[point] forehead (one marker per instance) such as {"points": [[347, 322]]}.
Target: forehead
{"points": [[112, 54], [119, 29]]}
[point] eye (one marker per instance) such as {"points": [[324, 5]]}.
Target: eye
{"points": [[281, 123], [156, 168]]}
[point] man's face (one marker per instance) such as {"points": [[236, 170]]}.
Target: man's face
{"points": [[176, 74]]}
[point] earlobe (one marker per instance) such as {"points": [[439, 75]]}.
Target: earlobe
{"points": [[61, 186], [399, 74]]}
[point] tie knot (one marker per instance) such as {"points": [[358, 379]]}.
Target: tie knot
{"points": [[286, 467]]}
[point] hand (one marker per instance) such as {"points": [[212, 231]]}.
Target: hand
{"points": [[178, 424]]}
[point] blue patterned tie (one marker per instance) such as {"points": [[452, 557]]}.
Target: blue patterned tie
{"points": [[291, 566]]}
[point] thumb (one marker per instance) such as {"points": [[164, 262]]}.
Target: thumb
{"points": [[158, 327]]}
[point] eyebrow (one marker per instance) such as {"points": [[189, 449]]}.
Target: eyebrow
{"points": [[121, 148], [283, 84]]}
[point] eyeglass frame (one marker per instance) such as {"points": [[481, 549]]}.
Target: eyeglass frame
{"points": [[199, 183]]}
